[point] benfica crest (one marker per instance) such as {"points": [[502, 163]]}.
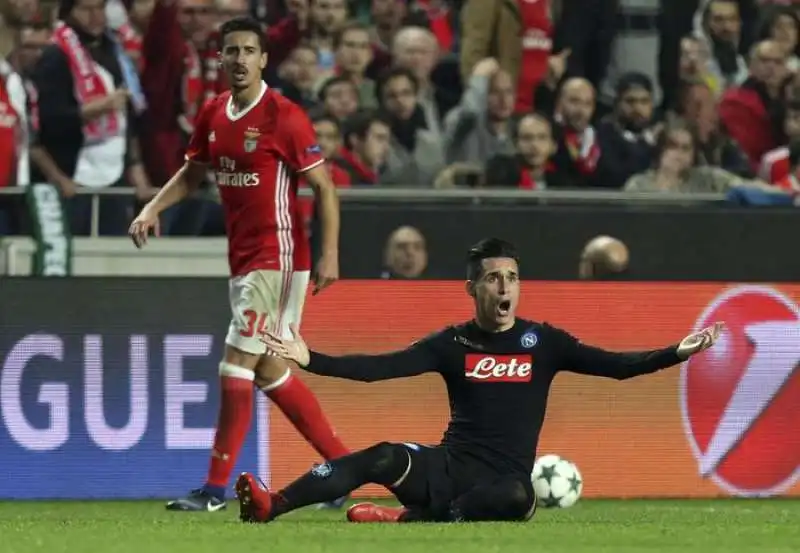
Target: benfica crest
{"points": [[251, 140]]}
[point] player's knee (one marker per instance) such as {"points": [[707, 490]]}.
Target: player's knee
{"points": [[520, 500], [271, 372], [388, 462]]}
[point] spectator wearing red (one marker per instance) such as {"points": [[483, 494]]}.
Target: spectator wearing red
{"points": [[775, 165], [577, 157], [330, 141], [88, 116], [518, 33], [367, 134], [747, 111], [440, 21], [531, 167], [789, 182]]}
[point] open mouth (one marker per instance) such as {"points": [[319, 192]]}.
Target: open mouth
{"points": [[503, 307], [240, 73]]}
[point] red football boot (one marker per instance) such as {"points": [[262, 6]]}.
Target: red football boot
{"points": [[255, 501], [369, 512]]}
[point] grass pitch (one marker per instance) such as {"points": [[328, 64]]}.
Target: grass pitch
{"points": [[596, 526]]}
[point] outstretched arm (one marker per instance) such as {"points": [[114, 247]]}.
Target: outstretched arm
{"points": [[582, 359], [411, 361], [416, 359]]}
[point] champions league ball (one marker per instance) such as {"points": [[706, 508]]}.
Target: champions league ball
{"points": [[556, 481]]}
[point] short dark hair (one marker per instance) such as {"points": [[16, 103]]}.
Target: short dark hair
{"points": [[486, 249], [352, 25], [360, 123], [333, 81], [243, 24], [394, 73], [323, 117]]}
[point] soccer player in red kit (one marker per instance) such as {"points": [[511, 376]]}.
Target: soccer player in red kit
{"points": [[257, 143]]}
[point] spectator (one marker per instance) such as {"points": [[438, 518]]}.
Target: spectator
{"points": [[353, 56], [339, 97], [230, 9], [442, 21], [530, 168], [130, 29], [415, 153], [578, 153], [775, 165], [693, 65], [388, 17], [718, 23], [677, 166], [329, 136], [406, 254], [603, 258], [172, 79], [782, 24], [367, 136], [14, 164], [747, 111], [88, 117], [326, 18], [789, 181], [298, 76], [518, 34], [627, 136], [479, 127], [32, 41], [330, 140], [608, 38], [715, 147], [416, 49]]}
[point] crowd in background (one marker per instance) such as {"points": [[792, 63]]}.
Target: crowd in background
{"points": [[642, 95]]}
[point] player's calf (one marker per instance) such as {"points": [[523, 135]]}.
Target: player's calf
{"points": [[382, 464]]}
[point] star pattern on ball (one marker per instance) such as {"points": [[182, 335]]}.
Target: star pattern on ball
{"points": [[574, 483]]}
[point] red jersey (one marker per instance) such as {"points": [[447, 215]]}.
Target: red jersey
{"points": [[256, 155], [775, 165], [537, 43], [789, 184]]}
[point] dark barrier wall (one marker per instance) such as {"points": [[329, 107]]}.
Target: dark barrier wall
{"points": [[677, 243], [108, 388]]}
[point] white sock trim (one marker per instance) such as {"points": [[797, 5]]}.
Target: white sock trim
{"points": [[234, 371], [278, 383], [405, 474]]}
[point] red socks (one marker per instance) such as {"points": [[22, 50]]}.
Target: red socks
{"points": [[235, 415], [301, 407]]}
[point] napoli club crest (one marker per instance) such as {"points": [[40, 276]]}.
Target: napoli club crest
{"points": [[529, 339]]}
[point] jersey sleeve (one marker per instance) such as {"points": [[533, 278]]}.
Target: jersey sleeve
{"points": [[418, 358], [299, 141], [198, 150], [577, 357]]}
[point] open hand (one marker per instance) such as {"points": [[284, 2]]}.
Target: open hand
{"points": [[699, 341], [294, 349]]}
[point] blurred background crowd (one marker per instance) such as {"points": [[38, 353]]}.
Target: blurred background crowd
{"points": [[687, 96]]}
